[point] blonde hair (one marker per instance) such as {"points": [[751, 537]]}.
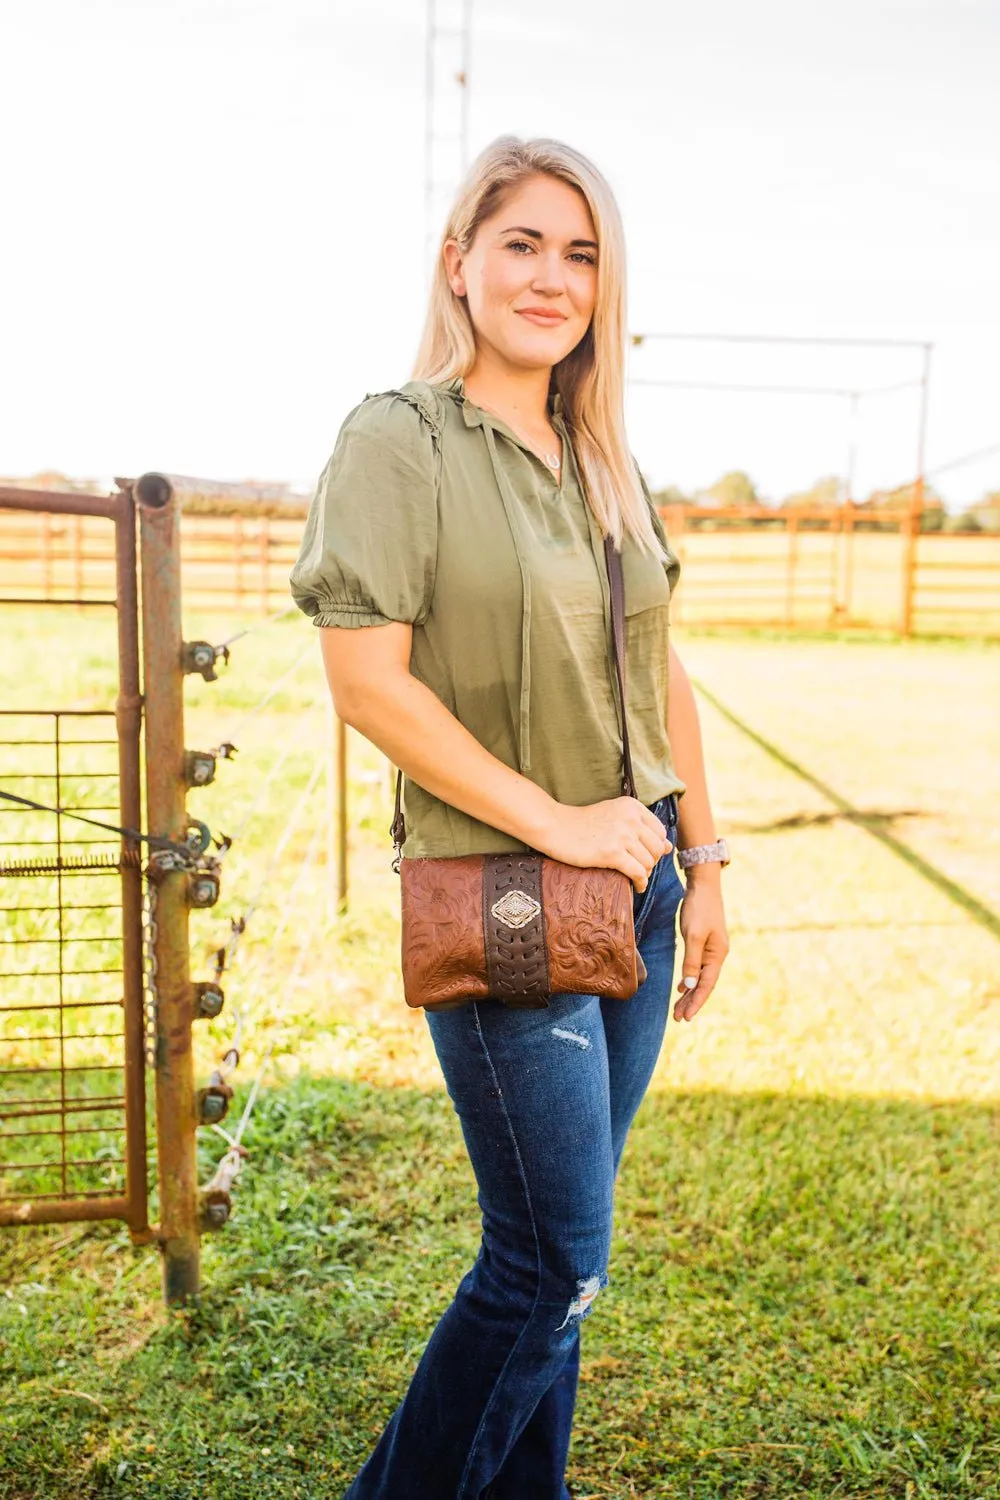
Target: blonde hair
{"points": [[591, 378]]}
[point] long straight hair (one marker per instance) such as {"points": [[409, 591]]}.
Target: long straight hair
{"points": [[591, 378]]}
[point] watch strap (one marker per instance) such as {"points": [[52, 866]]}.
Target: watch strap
{"points": [[704, 854]]}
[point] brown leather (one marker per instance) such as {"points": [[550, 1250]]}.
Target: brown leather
{"points": [[591, 935], [520, 927], [443, 950], [588, 946], [516, 967]]}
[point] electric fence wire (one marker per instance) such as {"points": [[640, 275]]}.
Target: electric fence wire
{"points": [[225, 955], [281, 614], [231, 740], [292, 743], [230, 1164]]}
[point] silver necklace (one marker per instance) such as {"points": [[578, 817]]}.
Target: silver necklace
{"points": [[551, 460]]}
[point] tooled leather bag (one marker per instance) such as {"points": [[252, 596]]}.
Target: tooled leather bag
{"points": [[520, 927]]}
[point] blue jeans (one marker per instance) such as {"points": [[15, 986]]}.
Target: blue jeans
{"points": [[545, 1099]]}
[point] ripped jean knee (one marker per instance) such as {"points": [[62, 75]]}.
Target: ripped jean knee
{"points": [[581, 1305]]}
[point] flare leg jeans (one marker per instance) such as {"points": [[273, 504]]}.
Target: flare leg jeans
{"points": [[545, 1099]]}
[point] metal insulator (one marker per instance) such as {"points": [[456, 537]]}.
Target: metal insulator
{"points": [[213, 1102], [203, 888], [197, 836], [201, 656], [208, 1000], [216, 1207], [199, 767]]}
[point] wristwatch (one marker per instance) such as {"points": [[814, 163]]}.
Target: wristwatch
{"points": [[704, 854]]}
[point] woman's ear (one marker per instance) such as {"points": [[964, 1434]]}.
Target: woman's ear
{"points": [[453, 267]]}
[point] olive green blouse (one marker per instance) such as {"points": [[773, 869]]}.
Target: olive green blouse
{"points": [[434, 512]]}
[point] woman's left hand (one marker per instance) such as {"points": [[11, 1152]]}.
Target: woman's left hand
{"points": [[706, 943]]}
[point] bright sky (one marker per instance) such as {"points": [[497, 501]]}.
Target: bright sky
{"points": [[211, 243]]}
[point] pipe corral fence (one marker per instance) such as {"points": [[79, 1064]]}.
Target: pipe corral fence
{"points": [[99, 896], [96, 992], [842, 567]]}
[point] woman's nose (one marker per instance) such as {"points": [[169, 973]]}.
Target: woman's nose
{"points": [[549, 276]]}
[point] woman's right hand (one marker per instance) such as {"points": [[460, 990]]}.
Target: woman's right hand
{"points": [[618, 834]]}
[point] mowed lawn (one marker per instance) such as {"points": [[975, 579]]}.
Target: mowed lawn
{"points": [[804, 1295]]}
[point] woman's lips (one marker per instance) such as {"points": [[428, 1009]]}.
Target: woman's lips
{"points": [[545, 320]]}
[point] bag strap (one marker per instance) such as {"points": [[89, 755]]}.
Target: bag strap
{"points": [[616, 581]]}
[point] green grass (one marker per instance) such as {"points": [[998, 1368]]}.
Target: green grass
{"points": [[803, 1302], [804, 1294]]}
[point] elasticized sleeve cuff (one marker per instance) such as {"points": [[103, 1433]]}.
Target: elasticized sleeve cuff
{"points": [[350, 615]]}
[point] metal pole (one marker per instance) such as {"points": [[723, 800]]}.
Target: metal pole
{"points": [[916, 500], [163, 681], [464, 81], [429, 137], [331, 809], [341, 815], [128, 718], [845, 539]]}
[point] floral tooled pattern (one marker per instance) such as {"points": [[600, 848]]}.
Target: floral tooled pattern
{"points": [[589, 930], [443, 950]]}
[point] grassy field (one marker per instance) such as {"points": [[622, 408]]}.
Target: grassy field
{"points": [[804, 1293]]}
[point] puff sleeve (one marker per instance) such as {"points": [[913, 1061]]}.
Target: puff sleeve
{"points": [[672, 565], [369, 548]]}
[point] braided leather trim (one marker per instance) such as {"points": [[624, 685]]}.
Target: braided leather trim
{"points": [[514, 929]]}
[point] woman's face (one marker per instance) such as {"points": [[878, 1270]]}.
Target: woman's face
{"points": [[530, 275]]}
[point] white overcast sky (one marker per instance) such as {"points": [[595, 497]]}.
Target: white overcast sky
{"points": [[212, 221]]}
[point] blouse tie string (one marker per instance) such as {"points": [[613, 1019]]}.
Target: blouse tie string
{"points": [[524, 725]]}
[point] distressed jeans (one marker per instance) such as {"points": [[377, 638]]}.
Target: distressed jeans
{"points": [[545, 1099]]}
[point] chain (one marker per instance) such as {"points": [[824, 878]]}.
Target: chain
{"points": [[150, 996]]}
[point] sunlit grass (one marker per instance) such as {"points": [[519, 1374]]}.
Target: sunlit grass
{"points": [[803, 1296]]}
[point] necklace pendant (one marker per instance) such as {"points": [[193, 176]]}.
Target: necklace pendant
{"points": [[552, 459]]}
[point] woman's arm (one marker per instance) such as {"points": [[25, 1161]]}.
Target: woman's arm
{"points": [[375, 692], [695, 823], [702, 921]]}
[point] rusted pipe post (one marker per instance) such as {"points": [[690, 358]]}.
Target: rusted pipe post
{"points": [[128, 717], [331, 810], [916, 508], [341, 816], [792, 536], [163, 683]]}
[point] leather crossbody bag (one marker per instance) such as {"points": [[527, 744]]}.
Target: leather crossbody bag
{"points": [[520, 927]]}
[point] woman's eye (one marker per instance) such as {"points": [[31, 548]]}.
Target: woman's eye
{"points": [[588, 260]]}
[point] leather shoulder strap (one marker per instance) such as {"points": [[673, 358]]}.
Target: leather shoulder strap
{"points": [[616, 581]]}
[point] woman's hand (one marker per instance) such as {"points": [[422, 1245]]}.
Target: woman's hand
{"points": [[706, 941], [618, 834]]}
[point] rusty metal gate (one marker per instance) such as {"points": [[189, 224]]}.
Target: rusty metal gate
{"points": [[72, 1056], [94, 964]]}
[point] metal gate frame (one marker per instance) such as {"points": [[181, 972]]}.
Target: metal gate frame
{"points": [[130, 1206]]}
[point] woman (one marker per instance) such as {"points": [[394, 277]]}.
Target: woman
{"points": [[463, 515]]}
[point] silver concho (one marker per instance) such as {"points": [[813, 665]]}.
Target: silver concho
{"points": [[516, 909]]}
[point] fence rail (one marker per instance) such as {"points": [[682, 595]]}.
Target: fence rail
{"points": [[804, 569]]}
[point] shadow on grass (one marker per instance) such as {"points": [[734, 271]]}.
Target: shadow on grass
{"points": [[870, 817], [801, 1303]]}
